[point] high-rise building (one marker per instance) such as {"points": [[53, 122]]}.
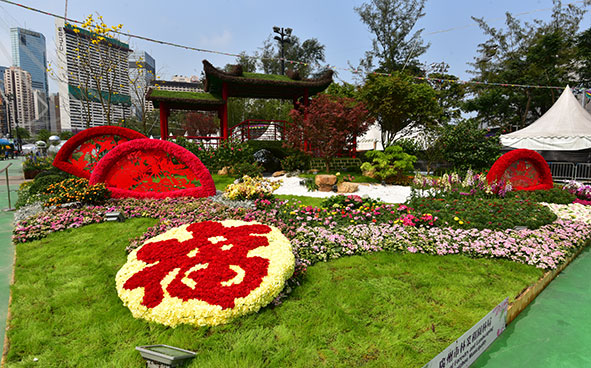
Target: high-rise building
{"points": [[91, 70], [142, 71], [3, 116], [29, 53], [18, 88], [2, 70], [54, 113]]}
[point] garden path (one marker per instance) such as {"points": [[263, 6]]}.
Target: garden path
{"points": [[553, 331], [15, 175]]}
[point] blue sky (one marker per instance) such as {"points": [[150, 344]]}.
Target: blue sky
{"points": [[243, 25]]}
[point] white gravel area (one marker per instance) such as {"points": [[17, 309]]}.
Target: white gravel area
{"points": [[385, 193]]}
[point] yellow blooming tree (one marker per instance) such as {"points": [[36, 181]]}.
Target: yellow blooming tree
{"points": [[97, 70]]}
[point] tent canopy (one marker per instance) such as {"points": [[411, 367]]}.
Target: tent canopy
{"points": [[565, 127]]}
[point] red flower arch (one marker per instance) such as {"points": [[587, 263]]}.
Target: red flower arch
{"points": [[149, 168], [524, 169], [81, 153]]}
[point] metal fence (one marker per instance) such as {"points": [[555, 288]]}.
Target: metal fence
{"points": [[564, 171]]}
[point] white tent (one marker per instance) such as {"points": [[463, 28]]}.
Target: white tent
{"points": [[565, 127]]}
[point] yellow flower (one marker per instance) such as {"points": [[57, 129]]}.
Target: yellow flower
{"points": [[461, 222], [173, 311], [456, 218]]}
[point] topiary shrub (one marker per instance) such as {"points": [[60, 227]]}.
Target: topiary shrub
{"points": [[42, 182], [390, 166]]}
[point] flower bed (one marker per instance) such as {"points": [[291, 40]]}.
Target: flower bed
{"points": [[319, 234], [205, 273]]}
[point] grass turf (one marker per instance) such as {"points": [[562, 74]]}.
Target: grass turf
{"points": [[383, 309], [306, 201]]}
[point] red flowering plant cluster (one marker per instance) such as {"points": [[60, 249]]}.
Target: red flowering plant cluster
{"points": [[147, 168], [524, 169], [81, 153]]}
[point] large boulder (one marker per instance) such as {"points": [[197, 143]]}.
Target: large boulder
{"points": [[267, 160], [325, 182]]}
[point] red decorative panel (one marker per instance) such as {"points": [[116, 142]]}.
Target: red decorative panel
{"points": [[524, 169], [81, 153], [148, 168]]}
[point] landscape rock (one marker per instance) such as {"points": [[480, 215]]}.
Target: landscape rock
{"points": [[278, 173], [346, 187], [224, 170], [325, 188], [329, 180], [267, 160]]}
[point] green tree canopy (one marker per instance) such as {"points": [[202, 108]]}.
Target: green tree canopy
{"points": [[538, 53], [394, 45], [397, 101]]}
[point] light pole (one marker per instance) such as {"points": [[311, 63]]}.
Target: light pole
{"points": [[283, 38]]}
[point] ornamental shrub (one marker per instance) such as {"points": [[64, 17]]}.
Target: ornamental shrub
{"points": [[54, 171], [390, 165], [228, 153], [466, 146], [41, 183], [76, 190], [251, 169], [554, 195], [483, 213], [297, 160], [33, 162]]}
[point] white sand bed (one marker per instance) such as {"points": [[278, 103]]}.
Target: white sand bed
{"points": [[385, 193]]}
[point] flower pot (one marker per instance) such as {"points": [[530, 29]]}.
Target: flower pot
{"points": [[30, 174]]}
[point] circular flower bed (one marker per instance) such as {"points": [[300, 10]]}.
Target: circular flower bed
{"points": [[206, 273]]}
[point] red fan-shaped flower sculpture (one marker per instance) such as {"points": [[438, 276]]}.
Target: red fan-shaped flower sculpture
{"points": [[524, 169], [148, 168], [81, 153]]}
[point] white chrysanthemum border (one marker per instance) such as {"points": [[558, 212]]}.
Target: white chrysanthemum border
{"points": [[173, 311]]}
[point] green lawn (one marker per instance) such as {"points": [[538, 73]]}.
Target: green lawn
{"points": [[306, 201], [222, 181], [384, 309]]}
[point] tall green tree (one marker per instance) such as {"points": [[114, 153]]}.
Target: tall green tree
{"points": [[395, 44], [398, 101], [309, 52], [538, 53]]}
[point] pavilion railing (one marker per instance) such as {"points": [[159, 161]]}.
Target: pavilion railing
{"points": [[207, 142], [258, 129]]}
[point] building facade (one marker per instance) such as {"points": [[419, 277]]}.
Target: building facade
{"points": [[55, 124], [19, 92], [29, 53], [92, 77], [142, 71]]}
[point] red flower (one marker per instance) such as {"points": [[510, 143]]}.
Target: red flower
{"points": [[216, 258]]}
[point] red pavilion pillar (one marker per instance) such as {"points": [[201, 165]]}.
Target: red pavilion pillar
{"points": [[306, 101], [224, 112], [164, 113]]}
